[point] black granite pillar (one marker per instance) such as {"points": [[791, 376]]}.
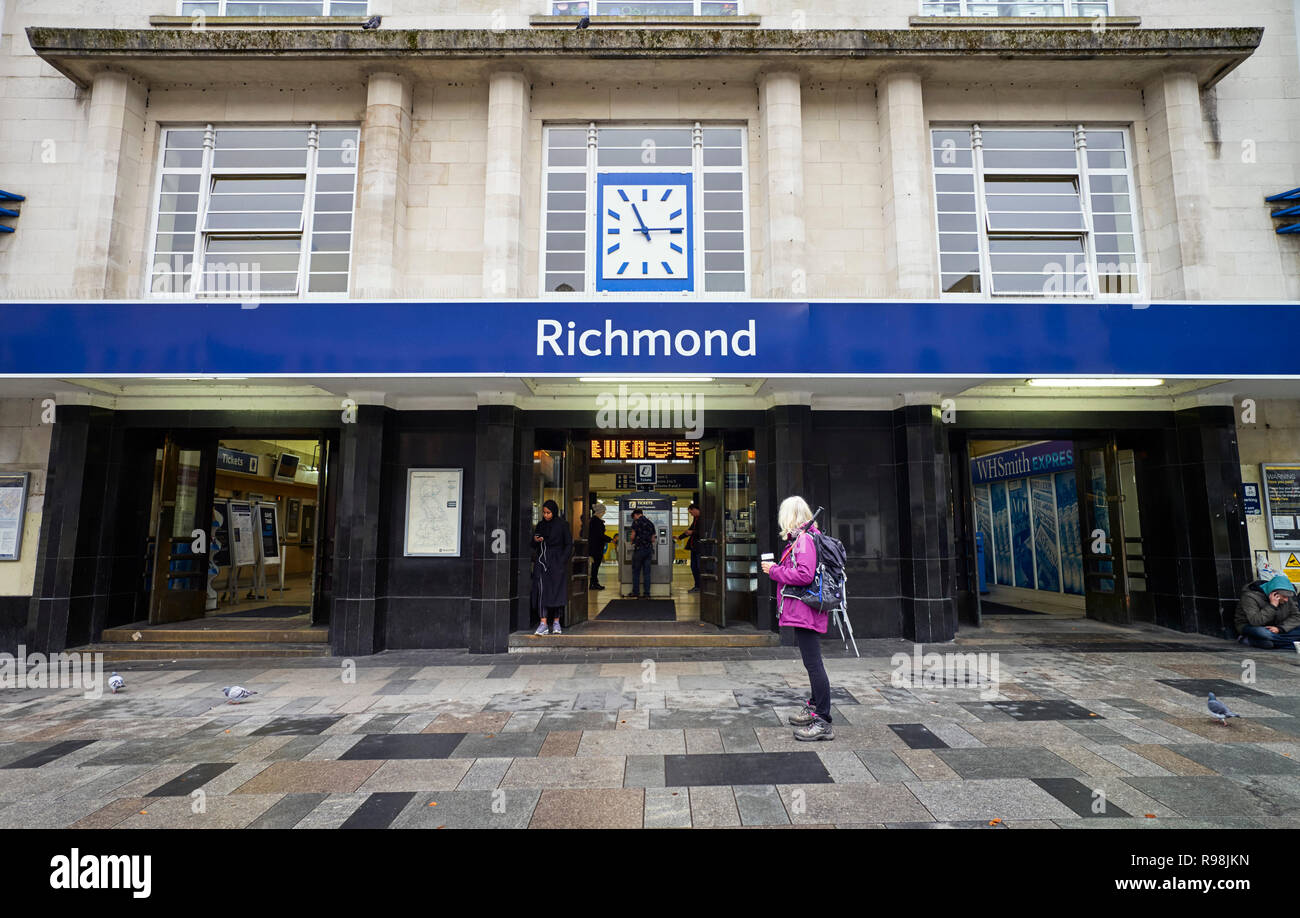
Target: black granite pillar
{"points": [[1214, 563], [356, 622], [788, 439], [501, 526], [926, 549]]}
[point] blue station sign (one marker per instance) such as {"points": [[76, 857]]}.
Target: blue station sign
{"points": [[1023, 461]]}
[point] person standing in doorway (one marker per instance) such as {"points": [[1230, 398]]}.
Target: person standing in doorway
{"points": [[596, 542], [692, 537], [643, 546], [797, 568], [552, 549]]}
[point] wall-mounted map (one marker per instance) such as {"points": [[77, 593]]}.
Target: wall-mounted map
{"points": [[433, 503]]}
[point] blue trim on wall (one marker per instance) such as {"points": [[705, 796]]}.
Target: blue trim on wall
{"points": [[360, 337]]}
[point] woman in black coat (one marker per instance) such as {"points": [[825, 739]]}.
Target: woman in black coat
{"points": [[552, 549]]}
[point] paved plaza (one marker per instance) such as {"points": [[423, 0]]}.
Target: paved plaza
{"points": [[1088, 726]]}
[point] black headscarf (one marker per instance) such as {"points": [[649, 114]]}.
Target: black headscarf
{"points": [[551, 529]]}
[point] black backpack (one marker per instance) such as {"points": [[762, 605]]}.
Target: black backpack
{"points": [[826, 592]]}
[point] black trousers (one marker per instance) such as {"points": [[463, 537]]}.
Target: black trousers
{"points": [[810, 648]]}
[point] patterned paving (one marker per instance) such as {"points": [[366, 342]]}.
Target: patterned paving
{"points": [[1087, 726]]}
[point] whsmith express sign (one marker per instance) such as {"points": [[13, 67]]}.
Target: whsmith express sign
{"points": [[1023, 461]]}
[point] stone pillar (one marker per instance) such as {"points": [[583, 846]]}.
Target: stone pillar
{"points": [[925, 534], [508, 102], [381, 205], [1180, 243], [911, 259], [355, 621], [781, 105], [111, 173], [501, 521]]}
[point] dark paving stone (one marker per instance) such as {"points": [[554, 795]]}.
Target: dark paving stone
{"points": [[502, 671], [381, 723], [1238, 759], [1215, 798], [744, 768], [918, 736], [499, 745], [298, 726], [580, 720], [1098, 733], [1222, 688], [184, 784], [49, 754], [1078, 797], [288, 811], [1286, 704], [757, 696], [295, 749], [378, 811], [1287, 725], [986, 712], [394, 687], [1044, 710], [404, 746], [141, 752], [583, 670], [217, 727], [1008, 762]]}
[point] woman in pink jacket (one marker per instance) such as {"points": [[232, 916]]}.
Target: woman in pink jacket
{"points": [[797, 568]]}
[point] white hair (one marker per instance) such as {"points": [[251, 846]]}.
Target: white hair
{"points": [[793, 513]]}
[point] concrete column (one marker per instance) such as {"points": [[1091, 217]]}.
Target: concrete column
{"points": [[781, 104], [380, 230], [911, 259], [508, 103], [115, 128], [1179, 241]]}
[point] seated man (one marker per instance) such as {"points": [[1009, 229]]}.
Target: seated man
{"points": [[1268, 616]]}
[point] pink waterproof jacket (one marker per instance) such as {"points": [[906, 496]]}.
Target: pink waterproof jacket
{"points": [[798, 569]]}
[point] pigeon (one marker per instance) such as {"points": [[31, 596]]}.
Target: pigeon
{"points": [[236, 693], [116, 682], [1219, 709], [584, 22], [373, 22]]}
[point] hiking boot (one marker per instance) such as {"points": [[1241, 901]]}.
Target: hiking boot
{"points": [[803, 718], [542, 629], [817, 730], [555, 627]]}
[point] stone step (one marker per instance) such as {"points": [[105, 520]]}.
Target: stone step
{"points": [[216, 633], [525, 642], [114, 653]]}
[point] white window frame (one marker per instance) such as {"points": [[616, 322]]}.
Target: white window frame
{"points": [[698, 170], [1082, 171], [1071, 7], [194, 285], [597, 4], [221, 10]]}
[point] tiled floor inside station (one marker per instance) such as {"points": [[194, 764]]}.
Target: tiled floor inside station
{"points": [[1080, 713]]}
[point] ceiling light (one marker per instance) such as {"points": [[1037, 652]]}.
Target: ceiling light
{"points": [[645, 379], [1110, 382]]}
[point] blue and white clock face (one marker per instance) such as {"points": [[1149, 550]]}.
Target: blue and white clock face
{"points": [[645, 232]]}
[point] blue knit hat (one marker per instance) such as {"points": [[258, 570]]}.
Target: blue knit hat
{"points": [[1278, 583]]}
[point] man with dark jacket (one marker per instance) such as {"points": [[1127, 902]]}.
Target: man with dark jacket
{"points": [[692, 537], [1268, 616], [643, 546]]}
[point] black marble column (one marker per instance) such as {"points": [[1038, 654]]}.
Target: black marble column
{"points": [[356, 621], [926, 549], [501, 525], [789, 446], [1214, 562]]}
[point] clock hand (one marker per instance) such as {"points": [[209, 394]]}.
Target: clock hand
{"points": [[642, 222]]}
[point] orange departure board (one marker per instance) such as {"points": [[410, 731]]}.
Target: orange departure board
{"points": [[609, 449]]}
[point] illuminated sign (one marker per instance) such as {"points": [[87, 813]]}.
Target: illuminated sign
{"points": [[617, 449]]}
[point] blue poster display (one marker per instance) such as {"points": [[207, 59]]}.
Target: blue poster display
{"points": [[1021, 548], [1043, 497], [984, 523], [1067, 506], [1001, 533]]}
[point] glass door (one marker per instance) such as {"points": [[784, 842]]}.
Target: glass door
{"points": [[713, 547], [1101, 523], [179, 583], [577, 472]]}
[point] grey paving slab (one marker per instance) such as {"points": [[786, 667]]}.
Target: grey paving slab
{"points": [[499, 745], [760, 805], [644, 771], [667, 808], [1008, 798], [484, 774], [288, 811], [713, 806], [1015, 762], [510, 808], [861, 803], [720, 719], [578, 720], [885, 766], [1238, 759], [1210, 798], [534, 702]]}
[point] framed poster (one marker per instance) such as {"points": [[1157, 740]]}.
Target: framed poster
{"points": [[268, 532], [307, 530], [241, 533], [13, 506], [293, 508], [1282, 503], [221, 521], [433, 508]]}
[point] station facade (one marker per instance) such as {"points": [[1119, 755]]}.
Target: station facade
{"points": [[458, 259]]}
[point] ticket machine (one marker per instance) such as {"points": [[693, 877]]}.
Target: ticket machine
{"points": [[658, 508]]}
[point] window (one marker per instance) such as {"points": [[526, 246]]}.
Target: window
{"points": [[645, 7], [273, 7], [254, 210], [645, 209], [1089, 8], [1035, 211]]}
